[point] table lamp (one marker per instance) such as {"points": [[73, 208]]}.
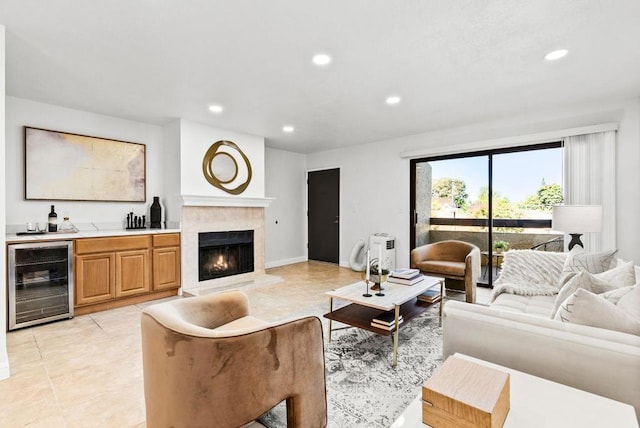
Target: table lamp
{"points": [[577, 218]]}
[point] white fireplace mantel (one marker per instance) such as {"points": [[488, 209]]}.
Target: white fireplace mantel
{"points": [[222, 201]]}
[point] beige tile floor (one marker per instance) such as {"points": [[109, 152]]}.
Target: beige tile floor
{"points": [[87, 371]]}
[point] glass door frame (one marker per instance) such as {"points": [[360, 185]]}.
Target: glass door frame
{"points": [[490, 221]]}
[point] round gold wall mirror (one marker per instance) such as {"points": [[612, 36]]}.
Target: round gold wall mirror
{"points": [[220, 166], [224, 167]]}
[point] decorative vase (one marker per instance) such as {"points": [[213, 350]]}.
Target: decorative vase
{"points": [[499, 250], [155, 214], [375, 278]]}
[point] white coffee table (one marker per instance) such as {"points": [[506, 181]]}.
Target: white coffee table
{"points": [[540, 403], [397, 297]]}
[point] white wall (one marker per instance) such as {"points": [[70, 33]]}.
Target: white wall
{"points": [[374, 194], [171, 171], [21, 112], [375, 172], [628, 182], [4, 362], [195, 140], [285, 218]]}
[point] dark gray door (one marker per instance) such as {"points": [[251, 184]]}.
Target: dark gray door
{"points": [[324, 215]]}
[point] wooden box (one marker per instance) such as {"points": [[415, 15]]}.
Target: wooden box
{"points": [[465, 394]]}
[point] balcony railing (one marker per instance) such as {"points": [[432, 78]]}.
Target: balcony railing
{"points": [[497, 222], [520, 234]]}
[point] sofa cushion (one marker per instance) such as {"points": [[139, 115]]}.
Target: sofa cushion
{"points": [[619, 277], [578, 260], [614, 296], [540, 306], [630, 303], [442, 267], [540, 325], [586, 308]]}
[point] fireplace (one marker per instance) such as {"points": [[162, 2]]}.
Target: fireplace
{"points": [[223, 254]]}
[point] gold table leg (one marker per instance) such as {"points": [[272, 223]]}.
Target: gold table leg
{"points": [[395, 338], [441, 299], [330, 310]]}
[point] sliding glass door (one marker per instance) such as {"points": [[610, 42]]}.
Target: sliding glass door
{"points": [[450, 200]]}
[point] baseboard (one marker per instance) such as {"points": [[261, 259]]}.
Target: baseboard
{"points": [[284, 262]]}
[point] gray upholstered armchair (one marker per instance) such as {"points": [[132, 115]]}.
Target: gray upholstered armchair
{"points": [[207, 362], [453, 260]]}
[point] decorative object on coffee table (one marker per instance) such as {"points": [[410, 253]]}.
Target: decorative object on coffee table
{"points": [[367, 276], [377, 278]]}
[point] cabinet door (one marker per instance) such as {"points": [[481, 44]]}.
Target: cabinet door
{"points": [[132, 272], [166, 268], [95, 278]]}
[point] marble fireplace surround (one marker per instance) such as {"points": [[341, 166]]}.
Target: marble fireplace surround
{"points": [[222, 215]]}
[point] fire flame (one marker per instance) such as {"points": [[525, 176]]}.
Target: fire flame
{"points": [[219, 264]]}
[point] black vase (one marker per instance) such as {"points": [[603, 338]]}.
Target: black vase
{"points": [[155, 214]]}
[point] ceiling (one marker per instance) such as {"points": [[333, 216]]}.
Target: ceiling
{"points": [[452, 62]]}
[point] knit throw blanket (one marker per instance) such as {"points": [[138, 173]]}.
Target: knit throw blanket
{"points": [[529, 273]]}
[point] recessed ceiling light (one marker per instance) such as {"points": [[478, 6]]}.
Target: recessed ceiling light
{"points": [[287, 128], [552, 56], [215, 108], [393, 100], [321, 59]]}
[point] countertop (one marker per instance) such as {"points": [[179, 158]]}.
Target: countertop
{"points": [[13, 238]]}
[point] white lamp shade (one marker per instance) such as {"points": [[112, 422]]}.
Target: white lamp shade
{"points": [[577, 218]]}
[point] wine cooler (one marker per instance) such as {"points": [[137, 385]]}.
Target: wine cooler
{"points": [[40, 283]]}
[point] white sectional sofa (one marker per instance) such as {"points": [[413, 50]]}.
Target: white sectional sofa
{"points": [[517, 331]]}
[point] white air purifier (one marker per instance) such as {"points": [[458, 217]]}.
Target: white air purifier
{"points": [[388, 244]]}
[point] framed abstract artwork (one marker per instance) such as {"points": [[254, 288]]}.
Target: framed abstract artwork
{"points": [[71, 167]]}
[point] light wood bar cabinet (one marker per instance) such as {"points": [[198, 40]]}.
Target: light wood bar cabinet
{"points": [[123, 270]]}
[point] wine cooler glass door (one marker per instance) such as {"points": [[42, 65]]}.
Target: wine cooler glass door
{"points": [[40, 283]]}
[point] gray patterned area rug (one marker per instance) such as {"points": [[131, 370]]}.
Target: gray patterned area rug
{"points": [[363, 390]]}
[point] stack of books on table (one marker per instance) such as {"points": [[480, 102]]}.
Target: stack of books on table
{"points": [[405, 276], [386, 320], [432, 295]]}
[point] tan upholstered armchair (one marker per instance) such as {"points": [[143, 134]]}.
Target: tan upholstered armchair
{"points": [[453, 260], [208, 363]]}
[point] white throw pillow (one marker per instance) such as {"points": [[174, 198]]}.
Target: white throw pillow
{"points": [[630, 303], [614, 296], [586, 308], [619, 277], [578, 260]]}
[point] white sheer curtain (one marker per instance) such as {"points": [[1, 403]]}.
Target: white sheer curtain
{"points": [[590, 179]]}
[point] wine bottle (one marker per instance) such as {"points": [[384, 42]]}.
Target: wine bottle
{"points": [[53, 220]]}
